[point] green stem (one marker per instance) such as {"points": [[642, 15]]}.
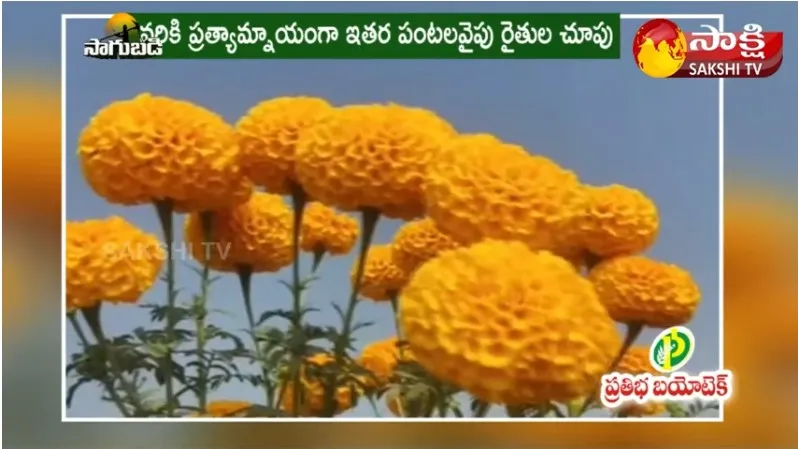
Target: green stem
{"points": [[369, 218], [633, 331], [299, 198], [443, 403], [515, 411], [92, 317], [165, 210], [318, 256], [109, 386], [394, 297], [245, 279], [201, 310], [481, 409]]}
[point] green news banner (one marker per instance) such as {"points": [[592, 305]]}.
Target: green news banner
{"points": [[383, 36]]}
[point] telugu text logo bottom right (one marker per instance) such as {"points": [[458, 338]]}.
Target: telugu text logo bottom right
{"points": [[662, 50], [669, 353]]}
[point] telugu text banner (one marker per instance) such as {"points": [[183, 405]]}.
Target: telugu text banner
{"points": [[384, 36]]}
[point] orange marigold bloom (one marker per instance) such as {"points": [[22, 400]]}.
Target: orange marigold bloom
{"points": [[618, 221], [154, 148], [109, 260], [382, 357], [507, 324], [324, 230], [268, 136], [370, 157], [256, 234], [479, 187], [224, 408], [313, 391], [636, 361], [417, 242], [382, 278], [635, 289]]}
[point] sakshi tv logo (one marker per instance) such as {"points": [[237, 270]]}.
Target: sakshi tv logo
{"points": [[662, 50], [122, 39], [671, 350]]}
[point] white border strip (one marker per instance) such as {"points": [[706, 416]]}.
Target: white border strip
{"points": [[64, 418]]}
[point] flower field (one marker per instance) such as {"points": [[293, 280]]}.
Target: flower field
{"points": [[513, 283]]}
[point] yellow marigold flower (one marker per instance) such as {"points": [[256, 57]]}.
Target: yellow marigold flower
{"points": [[507, 324], [618, 221], [636, 361], [154, 148], [419, 241], [642, 410], [382, 278], [635, 289], [222, 409], [313, 391], [327, 231], [369, 157], [109, 260], [255, 234], [73, 304], [268, 136], [478, 187], [382, 357]]}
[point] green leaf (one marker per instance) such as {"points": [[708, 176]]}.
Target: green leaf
{"points": [[70, 395]]}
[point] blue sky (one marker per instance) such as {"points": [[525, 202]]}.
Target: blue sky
{"points": [[603, 119]]}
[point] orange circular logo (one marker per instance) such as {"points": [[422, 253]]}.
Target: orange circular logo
{"points": [[659, 48], [124, 26]]}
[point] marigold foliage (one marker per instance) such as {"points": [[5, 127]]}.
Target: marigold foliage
{"points": [[382, 357], [382, 278], [370, 157], [507, 324], [324, 230], [155, 148], [313, 390], [617, 221], [419, 241], [256, 234], [268, 136], [226, 409], [478, 187], [109, 260], [396, 403], [403, 402], [635, 289]]}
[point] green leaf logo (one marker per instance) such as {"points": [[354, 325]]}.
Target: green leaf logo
{"points": [[672, 349]]}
